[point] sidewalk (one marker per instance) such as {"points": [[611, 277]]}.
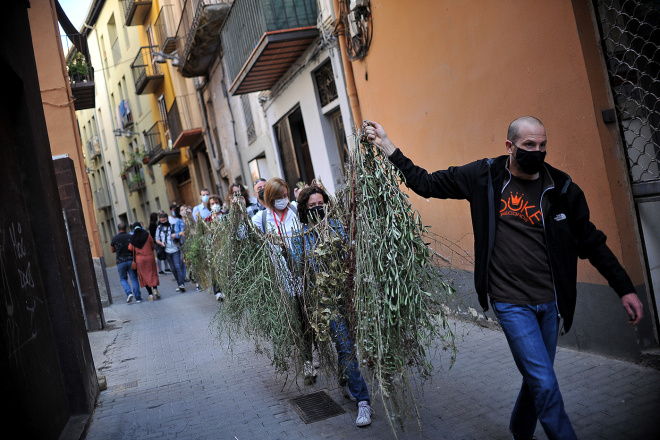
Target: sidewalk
{"points": [[169, 378]]}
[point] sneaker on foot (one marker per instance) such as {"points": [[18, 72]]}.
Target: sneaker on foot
{"points": [[157, 293], [309, 373], [199, 289], [181, 288], [137, 301], [178, 289], [348, 394], [219, 296], [160, 272], [364, 414], [129, 298], [167, 271], [151, 297]]}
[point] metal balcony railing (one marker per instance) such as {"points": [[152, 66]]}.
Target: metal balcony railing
{"points": [[165, 28], [101, 198], [81, 78], [181, 121], [158, 146], [135, 11], [155, 139], [146, 71], [198, 34], [251, 21]]}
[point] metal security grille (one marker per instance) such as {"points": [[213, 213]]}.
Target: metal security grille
{"points": [[630, 38]]}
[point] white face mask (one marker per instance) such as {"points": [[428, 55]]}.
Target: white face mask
{"points": [[215, 208], [281, 204]]}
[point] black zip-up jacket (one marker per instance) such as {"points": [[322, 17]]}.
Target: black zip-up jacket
{"points": [[568, 231]]}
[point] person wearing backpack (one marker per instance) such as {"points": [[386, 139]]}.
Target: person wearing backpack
{"points": [[166, 236]]}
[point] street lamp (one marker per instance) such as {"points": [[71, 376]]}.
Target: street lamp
{"points": [[162, 58]]}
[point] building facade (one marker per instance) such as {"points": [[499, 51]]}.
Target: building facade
{"points": [[452, 76]]}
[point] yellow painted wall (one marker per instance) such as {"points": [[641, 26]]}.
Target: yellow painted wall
{"points": [[446, 77], [58, 108]]}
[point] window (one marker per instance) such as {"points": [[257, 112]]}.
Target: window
{"points": [[249, 121], [325, 83]]}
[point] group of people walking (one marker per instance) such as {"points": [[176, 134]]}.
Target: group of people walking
{"points": [[144, 254]]}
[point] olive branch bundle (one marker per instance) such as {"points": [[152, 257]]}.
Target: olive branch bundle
{"points": [[369, 260]]}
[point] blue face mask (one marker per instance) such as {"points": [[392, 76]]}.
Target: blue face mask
{"points": [[205, 198]]}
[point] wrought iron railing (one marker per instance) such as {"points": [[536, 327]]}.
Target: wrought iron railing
{"points": [[155, 140], [165, 29], [190, 20], [248, 20], [179, 116], [630, 38], [143, 66], [129, 7]]}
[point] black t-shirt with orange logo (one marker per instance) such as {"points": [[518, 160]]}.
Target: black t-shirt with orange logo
{"points": [[519, 266]]}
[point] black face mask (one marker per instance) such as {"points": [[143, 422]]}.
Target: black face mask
{"points": [[530, 162], [260, 194], [316, 214]]}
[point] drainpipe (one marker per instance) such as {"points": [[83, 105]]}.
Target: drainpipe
{"points": [[348, 67]]}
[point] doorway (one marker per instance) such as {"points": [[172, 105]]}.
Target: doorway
{"points": [[294, 149]]}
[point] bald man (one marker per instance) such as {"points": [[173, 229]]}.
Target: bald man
{"points": [[531, 223]]}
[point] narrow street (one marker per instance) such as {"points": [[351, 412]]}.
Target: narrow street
{"points": [[170, 378]]}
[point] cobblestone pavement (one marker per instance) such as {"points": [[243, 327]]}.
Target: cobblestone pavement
{"points": [[170, 378]]}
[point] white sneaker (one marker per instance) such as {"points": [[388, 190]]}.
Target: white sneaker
{"points": [[220, 296], [364, 414], [348, 394], [129, 298], [309, 373]]}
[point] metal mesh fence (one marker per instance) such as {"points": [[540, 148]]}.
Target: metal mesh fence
{"points": [[630, 38]]}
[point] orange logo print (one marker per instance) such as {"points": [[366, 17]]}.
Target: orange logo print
{"points": [[517, 205]]}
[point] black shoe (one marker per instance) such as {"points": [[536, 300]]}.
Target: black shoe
{"points": [[181, 288], [160, 272], [167, 271]]}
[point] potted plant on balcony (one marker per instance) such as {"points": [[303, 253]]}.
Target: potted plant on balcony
{"points": [[78, 69], [142, 154]]}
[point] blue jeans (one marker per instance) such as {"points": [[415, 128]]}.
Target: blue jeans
{"points": [[531, 332], [124, 272], [175, 261], [349, 368]]}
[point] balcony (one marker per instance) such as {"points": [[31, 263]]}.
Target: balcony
{"points": [[146, 71], [81, 78], [185, 129], [135, 11], [198, 34], [263, 38], [93, 148], [101, 198], [165, 30], [157, 147]]}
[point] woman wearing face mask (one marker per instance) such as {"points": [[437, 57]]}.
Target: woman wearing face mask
{"points": [[215, 204], [312, 203], [280, 215], [165, 237]]}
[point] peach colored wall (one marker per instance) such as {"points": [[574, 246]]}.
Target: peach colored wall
{"points": [[445, 78], [58, 107]]}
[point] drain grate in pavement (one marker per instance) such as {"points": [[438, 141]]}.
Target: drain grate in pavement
{"points": [[316, 407], [123, 386]]}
